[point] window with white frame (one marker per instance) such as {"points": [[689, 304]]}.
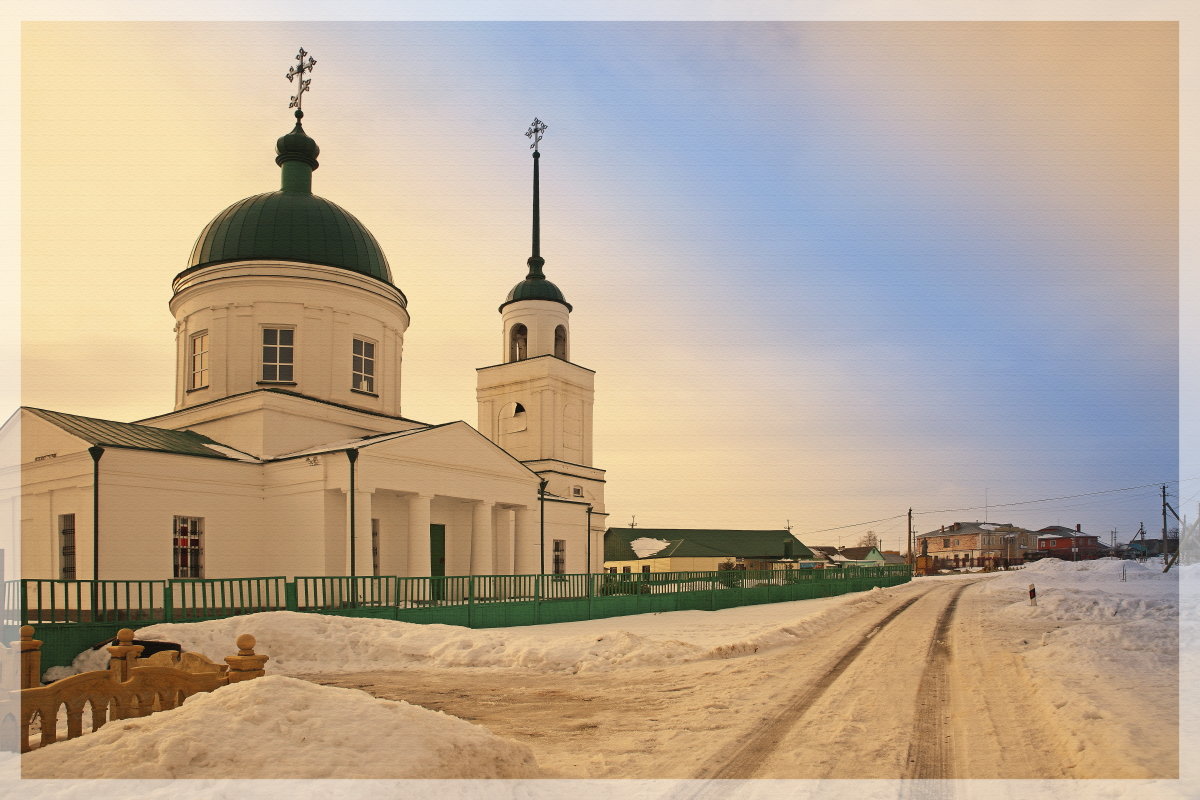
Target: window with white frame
{"points": [[362, 376], [278, 355], [188, 547], [198, 359]]}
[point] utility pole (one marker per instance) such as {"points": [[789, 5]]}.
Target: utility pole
{"points": [[1166, 558], [910, 537], [633, 521]]}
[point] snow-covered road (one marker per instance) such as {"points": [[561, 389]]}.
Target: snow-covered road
{"points": [[837, 693], [879, 691]]}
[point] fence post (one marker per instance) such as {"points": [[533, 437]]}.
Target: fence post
{"points": [[589, 595], [289, 596], [168, 601], [24, 601], [537, 599], [471, 601], [31, 659], [246, 664], [123, 654]]}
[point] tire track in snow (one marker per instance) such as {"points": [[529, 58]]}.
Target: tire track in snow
{"points": [[931, 752], [751, 754]]}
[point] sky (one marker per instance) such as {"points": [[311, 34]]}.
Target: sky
{"points": [[825, 271]]}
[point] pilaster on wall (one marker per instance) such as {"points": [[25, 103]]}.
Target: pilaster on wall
{"points": [[526, 541]]}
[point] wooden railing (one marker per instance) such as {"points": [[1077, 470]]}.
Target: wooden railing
{"points": [[130, 687]]}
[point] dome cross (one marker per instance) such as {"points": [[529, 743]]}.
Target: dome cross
{"points": [[535, 132], [298, 71]]}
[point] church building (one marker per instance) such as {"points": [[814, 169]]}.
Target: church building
{"points": [[286, 452]]}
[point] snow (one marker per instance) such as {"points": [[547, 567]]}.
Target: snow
{"points": [[1094, 641], [646, 546], [279, 727], [300, 644]]}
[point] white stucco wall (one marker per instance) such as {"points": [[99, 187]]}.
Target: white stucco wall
{"points": [[327, 307]]}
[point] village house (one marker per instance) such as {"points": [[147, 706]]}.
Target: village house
{"points": [[688, 550], [851, 556], [964, 545], [1067, 544]]}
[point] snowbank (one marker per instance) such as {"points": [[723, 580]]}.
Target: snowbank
{"points": [[301, 644], [279, 727], [1105, 653]]}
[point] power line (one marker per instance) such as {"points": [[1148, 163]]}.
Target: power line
{"points": [[1048, 499], [1156, 484], [857, 524]]}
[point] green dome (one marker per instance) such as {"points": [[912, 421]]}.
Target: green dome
{"points": [[535, 287], [292, 224]]}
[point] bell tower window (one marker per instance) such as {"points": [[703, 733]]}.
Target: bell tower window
{"points": [[560, 342], [513, 418], [278, 355], [363, 370], [518, 343]]}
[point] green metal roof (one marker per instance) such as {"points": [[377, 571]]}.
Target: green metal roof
{"points": [[704, 543], [535, 286], [683, 548], [292, 224], [107, 433]]}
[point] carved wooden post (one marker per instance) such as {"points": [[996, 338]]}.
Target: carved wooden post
{"points": [[245, 665], [123, 654], [31, 658]]}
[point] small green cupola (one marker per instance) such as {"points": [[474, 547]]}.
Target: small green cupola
{"points": [[535, 286], [296, 155]]}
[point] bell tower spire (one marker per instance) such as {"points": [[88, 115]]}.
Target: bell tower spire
{"points": [[536, 262], [537, 403]]}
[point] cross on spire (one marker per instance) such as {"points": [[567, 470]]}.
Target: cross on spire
{"points": [[536, 129], [298, 71]]}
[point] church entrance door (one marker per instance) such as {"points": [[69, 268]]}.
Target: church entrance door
{"points": [[437, 561]]}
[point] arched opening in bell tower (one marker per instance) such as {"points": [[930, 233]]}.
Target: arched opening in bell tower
{"points": [[518, 343], [560, 342]]}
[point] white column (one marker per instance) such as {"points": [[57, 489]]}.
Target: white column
{"points": [[482, 559], [525, 557], [418, 535]]}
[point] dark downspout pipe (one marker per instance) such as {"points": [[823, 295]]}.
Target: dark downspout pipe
{"points": [[95, 452], [589, 539], [352, 456], [542, 522]]}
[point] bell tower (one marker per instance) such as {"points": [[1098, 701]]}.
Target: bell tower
{"points": [[537, 403]]}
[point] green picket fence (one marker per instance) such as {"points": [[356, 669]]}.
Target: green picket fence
{"points": [[72, 615]]}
